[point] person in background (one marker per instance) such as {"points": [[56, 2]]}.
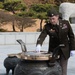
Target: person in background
{"points": [[60, 32]]}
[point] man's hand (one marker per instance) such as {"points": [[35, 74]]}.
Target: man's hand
{"points": [[38, 48]]}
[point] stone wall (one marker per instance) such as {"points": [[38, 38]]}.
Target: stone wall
{"points": [[7, 38]]}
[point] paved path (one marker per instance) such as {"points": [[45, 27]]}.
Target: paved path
{"points": [[8, 49]]}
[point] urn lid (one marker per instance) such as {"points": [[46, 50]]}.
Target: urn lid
{"points": [[32, 55]]}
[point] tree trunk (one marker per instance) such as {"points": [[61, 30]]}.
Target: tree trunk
{"points": [[21, 30], [13, 26]]}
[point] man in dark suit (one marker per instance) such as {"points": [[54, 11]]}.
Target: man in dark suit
{"points": [[60, 32]]}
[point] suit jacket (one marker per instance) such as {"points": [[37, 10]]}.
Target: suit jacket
{"points": [[63, 35]]}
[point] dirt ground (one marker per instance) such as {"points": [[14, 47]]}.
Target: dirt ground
{"points": [[34, 28]]}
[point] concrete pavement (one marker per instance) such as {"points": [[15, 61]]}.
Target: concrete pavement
{"points": [[8, 49]]}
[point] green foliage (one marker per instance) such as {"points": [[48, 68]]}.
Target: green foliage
{"points": [[11, 0], [1, 5], [20, 14], [21, 7], [42, 15], [13, 5], [40, 7], [57, 8], [29, 13], [41, 10]]}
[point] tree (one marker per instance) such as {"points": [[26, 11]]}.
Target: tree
{"points": [[41, 16], [14, 5], [24, 22], [5, 17], [41, 11]]}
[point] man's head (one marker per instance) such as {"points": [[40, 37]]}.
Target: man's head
{"points": [[53, 16]]}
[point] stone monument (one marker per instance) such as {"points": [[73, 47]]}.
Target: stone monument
{"points": [[67, 9]]}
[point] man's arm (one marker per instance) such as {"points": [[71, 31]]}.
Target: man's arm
{"points": [[71, 38], [40, 39], [42, 36]]}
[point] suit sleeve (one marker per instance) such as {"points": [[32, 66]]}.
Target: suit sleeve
{"points": [[42, 36], [71, 38]]}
